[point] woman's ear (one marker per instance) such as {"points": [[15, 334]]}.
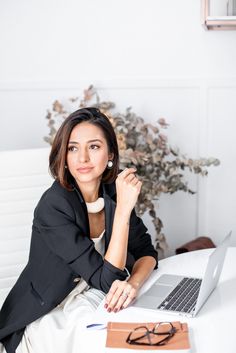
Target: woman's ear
{"points": [[110, 156]]}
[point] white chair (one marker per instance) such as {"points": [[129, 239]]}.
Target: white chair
{"points": [[24, 177]]}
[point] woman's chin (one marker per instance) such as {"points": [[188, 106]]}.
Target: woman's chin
{"points": [[87, 178]]}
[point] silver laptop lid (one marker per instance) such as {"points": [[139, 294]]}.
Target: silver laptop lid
{"points": [[212, 273]]}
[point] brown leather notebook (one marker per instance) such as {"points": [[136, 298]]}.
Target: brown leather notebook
{"points": [[117, 333]]}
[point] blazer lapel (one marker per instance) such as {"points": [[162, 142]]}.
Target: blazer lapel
{"points": [[109, 190], [83, 213], [110, 207]]}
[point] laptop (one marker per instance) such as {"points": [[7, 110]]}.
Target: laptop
{"points": [[182, 295]]}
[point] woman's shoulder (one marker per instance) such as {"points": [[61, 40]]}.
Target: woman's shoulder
{"points": [[55, 206], [55, 191], [55, 197]]}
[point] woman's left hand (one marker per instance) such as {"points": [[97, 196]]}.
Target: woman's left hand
{"points": [[120, 295]]}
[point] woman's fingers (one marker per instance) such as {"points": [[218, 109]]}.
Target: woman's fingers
{"points": [[111, 292], [126, 172], [125, 299], [120, 296], [131, 178], [127, 177], [114, 300], [114, 294], [129, 299]]}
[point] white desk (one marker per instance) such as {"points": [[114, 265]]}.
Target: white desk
{"points": [[211, 331]]}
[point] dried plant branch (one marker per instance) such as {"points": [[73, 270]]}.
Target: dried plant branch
{"points": [[145, 146]]}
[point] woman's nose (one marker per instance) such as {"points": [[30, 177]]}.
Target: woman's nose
{"points": [[83, 155]]}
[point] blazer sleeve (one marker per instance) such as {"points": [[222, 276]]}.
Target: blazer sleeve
{"points": [[55, 219], [140, 243]]}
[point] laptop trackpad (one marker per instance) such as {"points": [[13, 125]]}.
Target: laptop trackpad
{"points": [[153, 297], [164, 285], [159, 290]]}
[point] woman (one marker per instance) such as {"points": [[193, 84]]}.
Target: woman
{"points": [[84, 232]]}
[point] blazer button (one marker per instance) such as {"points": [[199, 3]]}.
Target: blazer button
{"points": [[77, 279]]}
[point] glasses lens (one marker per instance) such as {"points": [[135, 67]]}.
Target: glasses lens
{"points": [[163, 328], [139, 334]]}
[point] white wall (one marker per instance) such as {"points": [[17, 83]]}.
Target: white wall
{"points": [[153, 55], [64, 40]]}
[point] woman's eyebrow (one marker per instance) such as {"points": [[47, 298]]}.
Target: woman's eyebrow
{"points": [[77, 143]]}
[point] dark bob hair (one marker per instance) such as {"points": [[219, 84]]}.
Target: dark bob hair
{"points": [[58, 154]]}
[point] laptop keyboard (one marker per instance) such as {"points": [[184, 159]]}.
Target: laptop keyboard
{"points": [[183, 298]]}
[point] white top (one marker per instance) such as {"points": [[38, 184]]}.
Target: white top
{"points": [[99, 243]]}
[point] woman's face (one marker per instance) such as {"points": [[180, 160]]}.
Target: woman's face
{"points": [[87, 153]]}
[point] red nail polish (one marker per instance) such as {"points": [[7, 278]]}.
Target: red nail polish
{"points": [[115, 310], [105, 306], [109, 310]]}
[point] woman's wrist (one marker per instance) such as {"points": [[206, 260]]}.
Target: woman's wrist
{"points": [[123, 213], [134, 283]]}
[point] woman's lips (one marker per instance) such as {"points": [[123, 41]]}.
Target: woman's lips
{"points": [[84, 170]]}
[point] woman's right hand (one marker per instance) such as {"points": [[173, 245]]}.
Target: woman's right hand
{"points": [[128, 187]]}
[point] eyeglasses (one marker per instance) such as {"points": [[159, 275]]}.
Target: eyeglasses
{"points": [[143, 336]]}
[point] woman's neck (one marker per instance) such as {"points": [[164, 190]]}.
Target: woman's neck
{"points": [[89, 191]]}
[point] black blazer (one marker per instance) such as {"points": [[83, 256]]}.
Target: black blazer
{"points": [[60, 251]]}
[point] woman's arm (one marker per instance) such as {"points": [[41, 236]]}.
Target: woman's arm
{"points": [[127, 190], [116, 253], [128, 233], [122, 293], [142, 269]]}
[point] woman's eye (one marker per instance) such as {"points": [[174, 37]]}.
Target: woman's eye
{"points": [[71, 148], [94, 147]]}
